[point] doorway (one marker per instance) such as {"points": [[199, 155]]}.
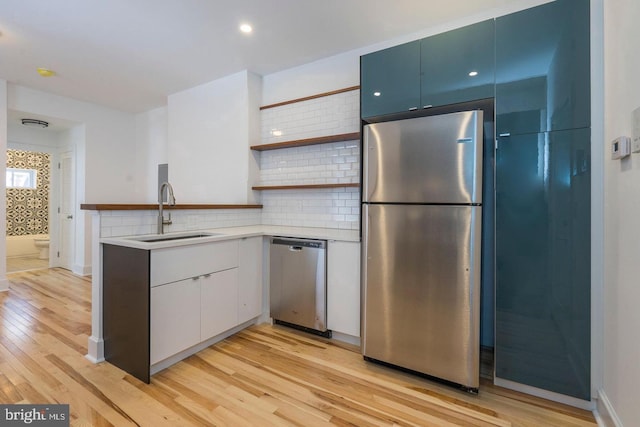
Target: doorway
{"points": [[55, 247], [28, 194]]}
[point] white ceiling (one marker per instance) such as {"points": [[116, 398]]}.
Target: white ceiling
{"points": [[131, 54]]}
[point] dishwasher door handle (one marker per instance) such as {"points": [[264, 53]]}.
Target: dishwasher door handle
{"points": [[295, 248]]}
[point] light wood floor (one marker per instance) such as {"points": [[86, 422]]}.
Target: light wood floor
{"points": [[263, 376], [15, 264]]}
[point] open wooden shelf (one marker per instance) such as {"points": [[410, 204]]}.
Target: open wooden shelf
{"points": [[307, 98], [154, 206], [309, 141], [305, 186]]}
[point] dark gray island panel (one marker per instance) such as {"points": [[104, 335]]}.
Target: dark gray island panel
{"points": [[125, 275]]}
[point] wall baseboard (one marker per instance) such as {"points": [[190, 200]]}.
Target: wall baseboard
{"points": [[95, 349], [81, 270], [605, 414], [4, 284]]}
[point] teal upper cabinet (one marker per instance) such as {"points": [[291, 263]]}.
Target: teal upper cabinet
{"points": [[390, 80], [542, 68], [458, 66]]}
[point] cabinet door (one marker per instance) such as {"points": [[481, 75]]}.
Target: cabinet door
{"points": [[542, 68], [250, 279], [181, 262], [343, 287], [219, 303], [175, 318], [390, 80], [458, 66], [543, 261]]}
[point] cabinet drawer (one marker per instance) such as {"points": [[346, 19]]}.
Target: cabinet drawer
{"points": [[173, 264]]}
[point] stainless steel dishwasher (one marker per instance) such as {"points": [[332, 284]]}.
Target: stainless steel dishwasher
{"points": [[298, 285]]}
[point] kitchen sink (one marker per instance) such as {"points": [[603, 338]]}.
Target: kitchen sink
{"points": [[169, 237]]}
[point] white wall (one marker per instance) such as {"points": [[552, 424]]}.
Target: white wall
{"points": [[4, 285], [622, 210], [105, 148], [209, 137], [151, 140]]}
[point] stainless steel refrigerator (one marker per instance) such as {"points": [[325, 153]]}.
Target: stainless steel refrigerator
{"points": [[421, 217]]}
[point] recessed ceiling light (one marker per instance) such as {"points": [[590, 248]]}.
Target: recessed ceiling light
{"points": [[473, 73], [246, 28], [35, 123], [45, 72], [376, 94]]}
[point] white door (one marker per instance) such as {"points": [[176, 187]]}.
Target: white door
{"points": [[66, 211]]}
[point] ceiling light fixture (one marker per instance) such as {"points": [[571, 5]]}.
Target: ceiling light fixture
{"points": [[246, 28], [376, 94], [35, 123], [45, 72], [473, 73]]}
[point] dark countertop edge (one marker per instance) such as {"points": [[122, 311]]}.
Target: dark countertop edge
{"points": [[154, 206]]}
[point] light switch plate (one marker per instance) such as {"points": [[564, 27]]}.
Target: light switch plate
{"points": [[635, 138]]}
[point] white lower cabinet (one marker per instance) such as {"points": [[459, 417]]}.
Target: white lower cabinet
{"points": [[250, 282], [186, 312], [194, 295], [175, 318], [218, 303], [343, 287]]}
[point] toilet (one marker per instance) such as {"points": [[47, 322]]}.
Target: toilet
{"points": [[42, 243]]}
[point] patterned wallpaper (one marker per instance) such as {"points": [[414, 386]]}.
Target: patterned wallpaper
{"points": [[28, 210]]}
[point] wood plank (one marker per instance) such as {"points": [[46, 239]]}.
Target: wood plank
{"points": [[308, 141], [307, 98], [305, 186], [265, 375], [154, 206]]}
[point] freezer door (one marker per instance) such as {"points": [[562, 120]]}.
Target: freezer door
{"points": [[435, 159], [421, 289]]}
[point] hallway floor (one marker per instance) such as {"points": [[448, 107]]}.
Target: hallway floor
{"points": [[15, 264]]}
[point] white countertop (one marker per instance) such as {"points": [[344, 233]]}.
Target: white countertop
{"points": [[235, 233]]}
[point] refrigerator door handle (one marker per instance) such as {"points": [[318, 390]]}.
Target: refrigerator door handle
{"points": [[364, 259], [370, 160]]}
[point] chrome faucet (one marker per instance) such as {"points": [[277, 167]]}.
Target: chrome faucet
{"points": [[171, 200]]}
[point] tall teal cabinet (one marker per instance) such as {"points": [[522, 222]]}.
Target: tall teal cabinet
{"points": [[543, 190]]}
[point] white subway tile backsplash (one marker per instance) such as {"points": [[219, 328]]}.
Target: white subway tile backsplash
{"points": [[144, 222], [333, 114]]}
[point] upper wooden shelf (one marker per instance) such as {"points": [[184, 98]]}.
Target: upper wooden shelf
{"points": [[307, 98], [308, 141], [304, 186], [150, 206]]}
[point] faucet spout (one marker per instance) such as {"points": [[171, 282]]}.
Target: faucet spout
{"points": [[171, 201]]}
